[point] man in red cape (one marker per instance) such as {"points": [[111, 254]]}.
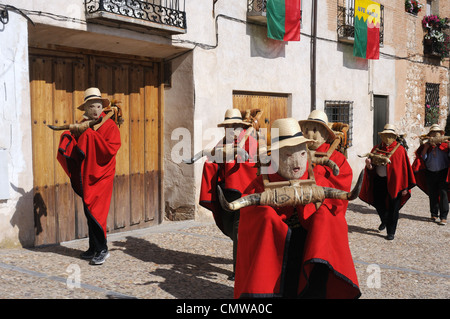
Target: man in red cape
{"points": [[431, 170], [388, 187], [88, 157], [291, 252], [316, 128], [215, 169]]}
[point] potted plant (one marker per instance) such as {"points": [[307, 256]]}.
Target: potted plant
{"points": [[413, 6], [436, 41], [431, 114]]}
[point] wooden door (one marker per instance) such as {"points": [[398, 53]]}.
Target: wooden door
{"points": [[380, 116], [57, 82], [273, 107]]}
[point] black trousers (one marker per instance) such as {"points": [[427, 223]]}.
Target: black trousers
{"points": [[97, 239], [387, 208], [230, 222], [317, 281], [437, 193]]}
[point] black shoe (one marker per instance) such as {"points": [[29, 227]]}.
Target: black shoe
{"points": [[100, 257], [88, 254], [390, 237], [381, 227]]}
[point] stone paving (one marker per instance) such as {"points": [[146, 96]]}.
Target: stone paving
{"points": [[193, 260]]}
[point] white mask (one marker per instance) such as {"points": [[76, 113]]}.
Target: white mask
{"points": [[292, 161], [315, 131], [93, 109]]}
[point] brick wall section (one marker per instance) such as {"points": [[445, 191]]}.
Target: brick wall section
{"points": [[332, 14], [416, 71]]}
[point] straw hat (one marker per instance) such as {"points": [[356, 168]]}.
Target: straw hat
{"points": [[318, 116], [93, 94], [233, 116], [389, 129], [289, 134], [436, 128]]}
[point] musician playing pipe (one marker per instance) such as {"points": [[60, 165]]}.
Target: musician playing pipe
{"points": [[88, 156], [316, 127], [215, 168], [388, 187], [295, 250], [431, 170]]}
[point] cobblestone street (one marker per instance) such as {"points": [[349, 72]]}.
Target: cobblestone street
{"points": [[193, 260]]}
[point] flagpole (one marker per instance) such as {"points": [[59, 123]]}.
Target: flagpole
{"points": [[313, 54]]}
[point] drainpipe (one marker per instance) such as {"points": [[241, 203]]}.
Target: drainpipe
{"points": [[313, 54]]}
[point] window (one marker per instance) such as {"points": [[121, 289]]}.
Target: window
{"points": [[431, 103], [428, 7], [432, 7], [341, 112]]}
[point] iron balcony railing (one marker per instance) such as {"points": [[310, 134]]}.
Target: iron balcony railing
{"points": [[165, 12], [256, 10], [256, 6], [346, 17]]}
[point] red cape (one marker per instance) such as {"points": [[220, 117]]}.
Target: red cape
{"points": [[214, 174], [399, 173], [90, 163], [419, 168], [342, 181], [264, 238]]}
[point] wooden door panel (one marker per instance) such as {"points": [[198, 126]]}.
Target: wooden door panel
{"points": [[121, 197], [152, 139], [62, 112], [44, 194], [137, 144], [273, 107]]}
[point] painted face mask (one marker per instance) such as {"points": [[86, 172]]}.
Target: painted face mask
{"points": [[292, 161], [435, 134], [388, 139], [231, 132], [317, 132], [93, 109]]}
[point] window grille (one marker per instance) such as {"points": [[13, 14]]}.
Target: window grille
{"points": [[431, 103], [341, 112]]}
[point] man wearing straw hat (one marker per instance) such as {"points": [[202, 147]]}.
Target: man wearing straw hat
{"points": [[88, 156], [388, 187], [216, 167], [431, 169], [291, 252], [316, 128]]}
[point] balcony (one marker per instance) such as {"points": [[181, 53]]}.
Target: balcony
{"points": [[156, 16], [345, 21], [256, 11]]}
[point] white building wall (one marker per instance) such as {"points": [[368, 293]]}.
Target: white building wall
{"points": [[16, 205]]}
